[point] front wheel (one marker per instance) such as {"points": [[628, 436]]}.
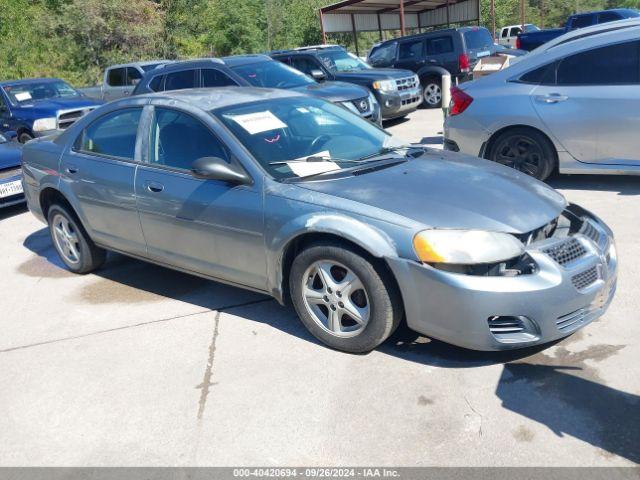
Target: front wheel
{"points": [[432, 92], [343, 299], [525, 150], [24, 137]]}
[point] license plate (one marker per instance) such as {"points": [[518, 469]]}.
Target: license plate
{"points": [[10, 189], [484, 54]]}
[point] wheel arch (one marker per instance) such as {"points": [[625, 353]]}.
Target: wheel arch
{"points": [[432, 71], [489, 143]]}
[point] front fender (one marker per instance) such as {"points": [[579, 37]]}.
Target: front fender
{"points": [[371, 239]]}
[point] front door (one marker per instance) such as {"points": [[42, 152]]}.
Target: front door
{"points": [[411, 55], [100, 172], [204, 226], [593, 108]]}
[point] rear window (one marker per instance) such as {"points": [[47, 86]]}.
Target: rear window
{"points": [[477, 39], [156, 83], [581, 22]]}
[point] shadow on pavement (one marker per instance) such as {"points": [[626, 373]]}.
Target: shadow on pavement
{"points": [[13, 211], [437, 140], [623, 184], [556, 396]]}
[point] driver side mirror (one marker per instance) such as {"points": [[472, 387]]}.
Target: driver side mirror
{"points": [[318, 75], [215, 168]]}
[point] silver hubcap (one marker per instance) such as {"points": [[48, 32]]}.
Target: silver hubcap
{"points": [[66, 238], [432, 94], [336, 298]]}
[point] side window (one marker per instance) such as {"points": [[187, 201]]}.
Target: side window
{"points": [[505, 32], [215, 78], [545, 75], [605, 17], [582, 21], [156, 84], [178, 140], [410, 50], [304, 64], [611, 65], [515, 31], [113, 134], [133, 76], [383, 56], [116, 77], [437, 46], [180, 80]]}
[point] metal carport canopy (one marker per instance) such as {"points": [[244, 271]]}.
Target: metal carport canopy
{"points": [[378, 15]]}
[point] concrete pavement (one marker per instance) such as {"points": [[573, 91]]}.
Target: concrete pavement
{"points": [[138, 365]]}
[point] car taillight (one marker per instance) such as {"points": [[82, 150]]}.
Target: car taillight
{"points": [[460, 101], [518, 43], [463, 61]]}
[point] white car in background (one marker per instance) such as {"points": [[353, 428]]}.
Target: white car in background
{"points": [[507, 36], [571, 105]]}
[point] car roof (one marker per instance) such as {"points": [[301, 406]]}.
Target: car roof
{"points": [[215, 98], [27, 81], [139, 64], [307, 50], [237, 60]]}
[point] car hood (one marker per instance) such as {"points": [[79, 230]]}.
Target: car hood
{"points": [[452, 191], [56, 104], [10, 155], [334, 91], [375, 74]]}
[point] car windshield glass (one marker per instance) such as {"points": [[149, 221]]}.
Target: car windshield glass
{"points": [[34, 91], [341, 61], [282, 134], [151, 66], [477, 39], [272, 74], [531, 28]]}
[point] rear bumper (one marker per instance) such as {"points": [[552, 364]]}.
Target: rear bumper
{"points": [[549, 304], [465, 134]]}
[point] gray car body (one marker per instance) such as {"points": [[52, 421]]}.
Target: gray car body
{"points": [[246, 235], [593, 128]]}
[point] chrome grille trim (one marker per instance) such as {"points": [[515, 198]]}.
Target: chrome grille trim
{"points": [[566, 252], [407, 83], [585, 279], [66, 118], [572, 320]]}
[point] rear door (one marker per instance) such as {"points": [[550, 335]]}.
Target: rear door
{"points": [[204, 226], [593, 108], [441, 51], [100, 172]]}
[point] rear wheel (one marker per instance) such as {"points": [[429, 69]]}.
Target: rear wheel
{"points": [[342, 299], [24, 137], [432, 92], [525, 150], [75, 248]]}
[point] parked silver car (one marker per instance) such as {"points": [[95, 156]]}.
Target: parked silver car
{"points": [[298, 198], [572, 105]]}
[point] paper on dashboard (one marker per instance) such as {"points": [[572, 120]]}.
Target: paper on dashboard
{"points": [[259, 122]]}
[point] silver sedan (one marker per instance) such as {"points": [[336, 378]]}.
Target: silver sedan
{"points": [[572, 105], [303, 200]]}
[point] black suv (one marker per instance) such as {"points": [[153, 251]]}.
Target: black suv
{"points": [[397, 91], [433, 54], [256, 71]]}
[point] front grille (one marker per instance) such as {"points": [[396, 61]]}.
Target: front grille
{"points": [[566, 252], [407, 83], [410, 101], [585, 279], [571, 321], [362, 105], [11, 172], [69, 117]]}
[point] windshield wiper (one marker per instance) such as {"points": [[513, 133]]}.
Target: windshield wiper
{"points": [[381, 163], [388, 150]]}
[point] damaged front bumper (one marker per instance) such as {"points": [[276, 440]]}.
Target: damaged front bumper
{"points": [[572, 285]]}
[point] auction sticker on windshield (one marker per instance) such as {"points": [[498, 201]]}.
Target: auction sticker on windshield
{"points": [[10, 189], [259, 122], [22, 96]]}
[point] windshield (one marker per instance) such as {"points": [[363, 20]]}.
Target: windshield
{"points": [[283, 133], [30, 92], [341, 61], [531, 28], [272, 74], [477, 39]]}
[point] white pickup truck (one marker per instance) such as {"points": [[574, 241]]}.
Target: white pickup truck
{"points": [[120, 80]]}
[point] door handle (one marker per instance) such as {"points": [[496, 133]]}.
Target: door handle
{"points": [[72, 169], [154, 187], [433, 60], [552, 98]]}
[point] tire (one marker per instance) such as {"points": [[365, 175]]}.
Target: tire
{"points": [[525, 150], [24, 137], [373, 297], [76, 250], [432, 92]]}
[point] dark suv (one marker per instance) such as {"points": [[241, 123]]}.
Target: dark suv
{"points": [[433, 54], [397, 91], [256, 71]]}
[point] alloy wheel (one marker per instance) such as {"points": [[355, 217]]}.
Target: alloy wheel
{"points": [[66, 238], [521, 153], [432, 94], [336, 298]]}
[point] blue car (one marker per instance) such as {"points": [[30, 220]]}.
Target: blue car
{"points": [[11, 192], [40, 107]]}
